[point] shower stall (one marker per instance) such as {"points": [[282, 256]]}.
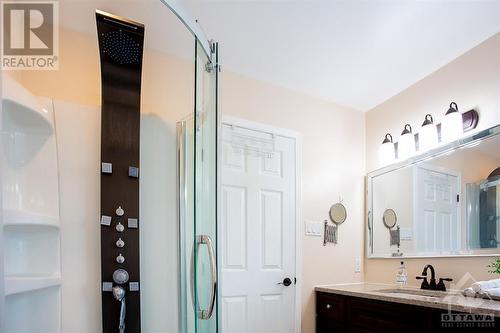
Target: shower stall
{"points": [[51, 223]]}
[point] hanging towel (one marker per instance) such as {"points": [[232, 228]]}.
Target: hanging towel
{"points": [[495, 292], [469, 292], [485, 285]]}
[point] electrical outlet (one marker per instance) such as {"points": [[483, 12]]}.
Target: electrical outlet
{"points": [[357, 265]]}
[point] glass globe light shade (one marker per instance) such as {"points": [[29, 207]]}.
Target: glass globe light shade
{"points": [[406, 144], [428, 135], [452, 125], [387, 154]]}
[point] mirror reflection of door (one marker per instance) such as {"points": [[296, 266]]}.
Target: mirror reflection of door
{"points": [[437, 209]]}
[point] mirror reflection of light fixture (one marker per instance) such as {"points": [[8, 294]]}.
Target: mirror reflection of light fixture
{"points": [[387, 154], [406, 144], [428, 135], [452, 125]]}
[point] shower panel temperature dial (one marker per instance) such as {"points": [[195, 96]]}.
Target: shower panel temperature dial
{"points": [[120, 243], [120, 276]]}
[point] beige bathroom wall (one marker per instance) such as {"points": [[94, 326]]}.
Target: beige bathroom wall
{"points": [[472, 81], [333, 167]]}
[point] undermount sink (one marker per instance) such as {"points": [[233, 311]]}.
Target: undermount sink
{"points": [[415, 293]]}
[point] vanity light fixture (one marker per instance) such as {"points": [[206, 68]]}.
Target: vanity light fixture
{"points": [[428, 136], [452, 125], [406, 144], [387, 153]]}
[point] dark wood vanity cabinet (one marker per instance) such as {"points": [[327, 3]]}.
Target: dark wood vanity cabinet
{"points": [[338, 313]]}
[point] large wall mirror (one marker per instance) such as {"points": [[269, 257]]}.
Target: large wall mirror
{"points": [[445, 202]]}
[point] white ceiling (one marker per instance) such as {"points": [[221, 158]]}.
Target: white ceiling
{"points": [[354, 53]]}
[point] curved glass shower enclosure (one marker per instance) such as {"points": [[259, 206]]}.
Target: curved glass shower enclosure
{"points": [[51, 217], [197, 190], [197, 147]]}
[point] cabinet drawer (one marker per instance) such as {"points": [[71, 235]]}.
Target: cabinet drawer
{"points": [[329, 306]]}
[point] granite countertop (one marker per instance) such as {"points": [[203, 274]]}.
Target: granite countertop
{"points": [[452, 300]]}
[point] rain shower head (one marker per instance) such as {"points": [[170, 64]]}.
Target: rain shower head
{"points": [[121, 47], [121, 40]]}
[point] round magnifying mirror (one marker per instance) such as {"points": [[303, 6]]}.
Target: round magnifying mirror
{"points": [[390, 218], [338, 213]]}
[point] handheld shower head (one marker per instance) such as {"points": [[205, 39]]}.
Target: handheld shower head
{"points": [[118, 293]]}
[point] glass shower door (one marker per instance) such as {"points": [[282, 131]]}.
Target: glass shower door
{"points": [[205, 193], [197, 167]]}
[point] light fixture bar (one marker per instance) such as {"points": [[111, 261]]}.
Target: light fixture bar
{"points": [[470, 120]]}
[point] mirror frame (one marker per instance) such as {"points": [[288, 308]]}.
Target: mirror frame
{"points": [[436, 152]]}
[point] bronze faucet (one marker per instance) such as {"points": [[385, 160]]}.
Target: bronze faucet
{"points": [[432, 284]]}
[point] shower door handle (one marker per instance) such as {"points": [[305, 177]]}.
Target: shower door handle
{"points": [[206, 240]]}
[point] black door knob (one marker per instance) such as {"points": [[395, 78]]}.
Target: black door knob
{"points": [[286, 282]]}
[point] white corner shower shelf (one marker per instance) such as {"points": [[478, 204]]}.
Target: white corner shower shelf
{"points": [[21, 284], [31, 243], [20, 100], [19, 217], [34, 312]]}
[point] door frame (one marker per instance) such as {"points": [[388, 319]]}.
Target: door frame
{"points": [[297, 137]]}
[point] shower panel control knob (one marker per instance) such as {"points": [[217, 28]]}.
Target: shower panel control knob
{"points": [[120, 276], [120, 259], [120, 211], [120, 243], [120, 227]]}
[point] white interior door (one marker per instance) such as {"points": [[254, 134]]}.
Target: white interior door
{"points": [[437, 209], [258, 220]]}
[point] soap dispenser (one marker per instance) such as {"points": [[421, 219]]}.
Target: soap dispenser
{"points": [[402, 275]]}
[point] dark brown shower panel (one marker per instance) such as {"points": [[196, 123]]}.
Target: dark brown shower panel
{"points": [[121, 44]]}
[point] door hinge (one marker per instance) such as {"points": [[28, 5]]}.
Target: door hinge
{"points": [[211, 66], [458, 197]]}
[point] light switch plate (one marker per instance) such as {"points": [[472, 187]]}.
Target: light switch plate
{"points": [[314, 228], [406, 234]]}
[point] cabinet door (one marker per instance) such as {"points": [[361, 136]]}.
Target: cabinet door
{"points": [[330, 306], [376, 316], [327, 325]]}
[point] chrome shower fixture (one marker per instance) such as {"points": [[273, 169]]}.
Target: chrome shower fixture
{"points": [[119, 295], [120, 276]]}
